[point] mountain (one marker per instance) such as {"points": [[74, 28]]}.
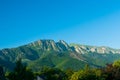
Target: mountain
{"points": [[59, 55]]}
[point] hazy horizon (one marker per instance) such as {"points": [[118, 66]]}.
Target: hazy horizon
{"points": [[83, 22]]}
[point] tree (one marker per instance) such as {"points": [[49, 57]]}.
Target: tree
{"points": [[52, 74], [69, 73], [116, 63], [112, 71], [87, 74], [2, 75], [20, 72]]}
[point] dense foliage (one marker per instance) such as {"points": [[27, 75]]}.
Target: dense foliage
{"points": [[21, 72]]}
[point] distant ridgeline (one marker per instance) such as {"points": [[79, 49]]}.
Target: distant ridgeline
{"points": [[58, 55]]}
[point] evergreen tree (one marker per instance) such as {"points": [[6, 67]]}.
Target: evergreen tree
{"points": [[2, 75], [20, 72]]}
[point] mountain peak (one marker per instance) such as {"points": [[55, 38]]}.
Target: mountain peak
{"points": [[63, 42], [46, 51], [61, 45], [49, 44], [94, 49]]}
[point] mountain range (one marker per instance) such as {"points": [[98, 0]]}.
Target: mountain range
{"points": [[58, 55]]}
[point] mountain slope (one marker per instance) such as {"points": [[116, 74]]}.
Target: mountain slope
{"points": [[58, 54]]}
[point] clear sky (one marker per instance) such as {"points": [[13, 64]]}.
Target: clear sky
{"points": [[90, 22]]}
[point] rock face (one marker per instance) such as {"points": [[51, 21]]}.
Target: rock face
{"points": [[61, 45], [58, 54], [48, 45], [102, 50]]}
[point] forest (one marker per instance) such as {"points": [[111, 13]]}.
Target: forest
{"points": [[22, 72]]}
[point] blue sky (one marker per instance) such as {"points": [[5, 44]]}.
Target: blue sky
{"points": [[91, 22]]}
